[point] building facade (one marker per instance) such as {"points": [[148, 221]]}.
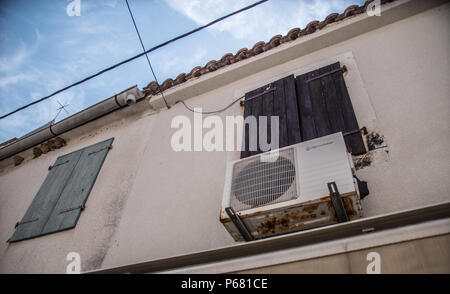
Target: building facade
{"points": [[149, 208]]}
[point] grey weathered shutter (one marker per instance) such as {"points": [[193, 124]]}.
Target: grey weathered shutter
{"points": [[57, 205], [275, 99], [325, 107], [73, 197], [45, 200]]}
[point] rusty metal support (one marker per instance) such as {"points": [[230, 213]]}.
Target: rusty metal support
{"points": [[27, 221], [52, 166], [93, 152], [82, 207]]}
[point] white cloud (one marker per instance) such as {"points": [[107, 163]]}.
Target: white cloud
{"points": [[15, 61], [169, 62], [110, 3], [14, 79], [12, 67], [93, 5], [267, 19]]}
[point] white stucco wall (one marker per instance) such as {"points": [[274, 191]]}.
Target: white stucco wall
{"points": [[150, 202]]}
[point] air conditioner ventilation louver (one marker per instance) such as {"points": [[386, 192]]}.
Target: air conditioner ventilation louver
{"points": [[257, 183]]}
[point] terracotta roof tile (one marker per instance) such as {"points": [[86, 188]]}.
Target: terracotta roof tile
{"points": [[293, 34], [181, 78], [258, 48]]}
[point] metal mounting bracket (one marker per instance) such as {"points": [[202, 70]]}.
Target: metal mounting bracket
{"points": [[341, 69], [336, 200], [52, 166], [27, 221], [239, 224], [363, 130], [268, 90]]}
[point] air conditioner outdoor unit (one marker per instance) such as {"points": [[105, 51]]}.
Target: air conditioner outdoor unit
{"points": [[298, 187]]}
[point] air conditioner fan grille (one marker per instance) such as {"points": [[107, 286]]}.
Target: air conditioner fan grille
{"points": [[257, 183]]}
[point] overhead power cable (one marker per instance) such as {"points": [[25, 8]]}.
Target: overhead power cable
{"points": [[134, 57], [146, 56]]}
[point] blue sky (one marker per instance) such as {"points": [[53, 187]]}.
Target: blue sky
{"points": [[42, 49]]}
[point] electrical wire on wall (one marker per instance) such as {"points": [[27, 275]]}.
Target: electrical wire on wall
{"points": [[266, 91], [209, 112]]}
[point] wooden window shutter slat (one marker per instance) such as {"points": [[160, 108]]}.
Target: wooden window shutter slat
{"points": [[307, 123], [279, 108], [280, 102], [293, 124], [248, 111], [46, 198], [257, 111], [267, 109], [74, 196], [325, 107], [333, 103], [355, 142], [319, 106]]}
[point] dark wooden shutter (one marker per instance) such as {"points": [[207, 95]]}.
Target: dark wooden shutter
{"points": [[46, 198], [73, 197], [58, 203], [281, 102], [325, 107]]}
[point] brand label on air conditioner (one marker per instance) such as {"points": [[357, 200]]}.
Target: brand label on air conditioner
{"points": [[308, 148]]}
